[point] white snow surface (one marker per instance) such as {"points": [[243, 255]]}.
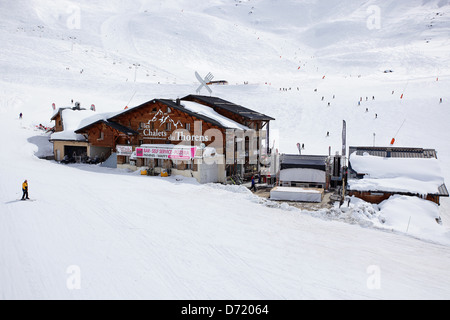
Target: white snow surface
{"points": [[411, 175], [133, 236], [93, 118], [414, 216], [210, 113], [71, 122]]}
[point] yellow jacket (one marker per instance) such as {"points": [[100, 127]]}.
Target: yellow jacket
{"points": [[24, 185]]}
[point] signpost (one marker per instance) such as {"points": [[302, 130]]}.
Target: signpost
{"points": [[124, 150]]}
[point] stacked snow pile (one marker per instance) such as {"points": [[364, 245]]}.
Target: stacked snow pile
{"points": [[71, 122], [414, 216], [400, 175], [408, 215]]}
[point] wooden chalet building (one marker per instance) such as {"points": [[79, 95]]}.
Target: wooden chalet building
{"points": [[65, 141], [377, 173], [188, 136]]}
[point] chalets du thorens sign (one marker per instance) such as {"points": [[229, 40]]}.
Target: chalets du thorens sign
{"points": [[149, 131], [181, 136]]}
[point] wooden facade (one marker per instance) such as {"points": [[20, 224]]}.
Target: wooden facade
{"points": [[378, 197], [166, 122], [58, 121]]}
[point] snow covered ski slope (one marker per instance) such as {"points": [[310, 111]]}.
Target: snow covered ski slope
{"points": [[103, 233]]}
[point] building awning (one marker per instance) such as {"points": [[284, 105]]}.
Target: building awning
{"points": [[289, 161]]}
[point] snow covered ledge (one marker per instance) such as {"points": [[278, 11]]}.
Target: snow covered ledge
{"points": [[383, 177]]}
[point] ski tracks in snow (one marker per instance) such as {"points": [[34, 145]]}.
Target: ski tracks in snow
{"points": [[117, 35]]}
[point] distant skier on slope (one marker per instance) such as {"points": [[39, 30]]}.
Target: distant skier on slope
{"points": [[25, 190]]}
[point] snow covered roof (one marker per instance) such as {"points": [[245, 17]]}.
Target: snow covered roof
{"points": [[208, 112], [289, 161], [395, 152], [199, 111], [71, 122], [404, 175], [103, 118], [94, 118], [57, 111], [219, 103]]}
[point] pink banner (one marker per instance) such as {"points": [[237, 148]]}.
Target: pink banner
{"points": [[174, 153]]}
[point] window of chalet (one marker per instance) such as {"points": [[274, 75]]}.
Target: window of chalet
{"points": [[168, 126], [188, 127], [101, 136]]}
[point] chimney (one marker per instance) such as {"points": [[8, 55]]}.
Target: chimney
{"points": [[178, 102]]}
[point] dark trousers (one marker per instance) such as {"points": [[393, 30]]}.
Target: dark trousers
{"points": [[25, 194], [253, 187]]}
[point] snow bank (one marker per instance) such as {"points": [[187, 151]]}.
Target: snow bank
{"points": [[414, 216], [392, 215], [418, 176]]}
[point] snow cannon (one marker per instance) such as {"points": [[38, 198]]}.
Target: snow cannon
{"points": [[54, 106], [93, 107], [392, 141]]}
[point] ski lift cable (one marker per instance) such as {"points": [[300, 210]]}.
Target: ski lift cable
{"points": [[400, 129], [131, 98]]}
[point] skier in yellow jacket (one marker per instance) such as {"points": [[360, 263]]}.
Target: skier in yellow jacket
{"points": [[25, 190]]}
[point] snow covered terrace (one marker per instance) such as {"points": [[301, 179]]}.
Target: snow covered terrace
{"points": [[377, 173]]}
